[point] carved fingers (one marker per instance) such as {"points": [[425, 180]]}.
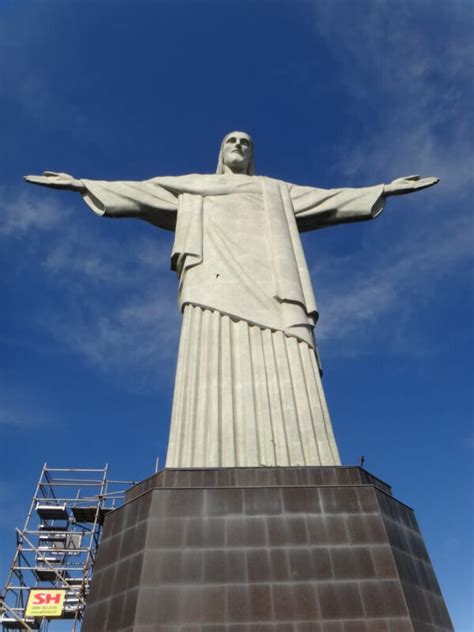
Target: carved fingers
{"points": [[55, 180], [409, 184]]}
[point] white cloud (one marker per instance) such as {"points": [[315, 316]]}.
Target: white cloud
{"points": [[118, 306], [23, 212], [14, 414], [14, 418], [355, 305], [416, 87], [414, 81], [139, 335], [88, 256]]}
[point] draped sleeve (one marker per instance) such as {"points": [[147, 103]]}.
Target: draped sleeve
{"points": [[317, 208], [146, 200]]}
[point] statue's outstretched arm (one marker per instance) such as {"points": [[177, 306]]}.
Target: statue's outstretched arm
{"points": [[56, 180], [318, 208], [145, 200]]}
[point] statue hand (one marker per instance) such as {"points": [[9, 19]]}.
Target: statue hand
{"points": [[408, 184], [56, 181]]}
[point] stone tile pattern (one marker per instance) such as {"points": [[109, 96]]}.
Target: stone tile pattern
{"points": [[310, 549]]}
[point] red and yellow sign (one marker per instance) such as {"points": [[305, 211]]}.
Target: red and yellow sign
{"points": [[45, 602]]}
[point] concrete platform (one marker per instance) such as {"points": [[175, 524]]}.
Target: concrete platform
{"points": [[300, 549]]}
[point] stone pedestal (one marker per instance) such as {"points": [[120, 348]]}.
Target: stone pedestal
{"points": [[313, 549]]}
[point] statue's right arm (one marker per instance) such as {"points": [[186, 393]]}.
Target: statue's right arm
{"points": [[145, 200], [316, 208]]}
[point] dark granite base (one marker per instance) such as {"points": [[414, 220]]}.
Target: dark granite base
{"points": [[301, 549]]}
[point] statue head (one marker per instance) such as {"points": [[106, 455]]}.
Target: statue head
{"points": [[236, 154]]}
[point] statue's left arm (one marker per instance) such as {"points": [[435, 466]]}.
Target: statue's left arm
{"points": [[318, 208], [145, 200]]}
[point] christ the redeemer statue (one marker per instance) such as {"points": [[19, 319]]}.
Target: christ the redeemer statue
{"points": [[248, 390]]}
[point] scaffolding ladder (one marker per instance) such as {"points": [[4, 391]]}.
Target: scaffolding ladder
{"points": [[57, 547]]}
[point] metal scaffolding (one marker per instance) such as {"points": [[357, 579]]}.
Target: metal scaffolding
{"points": [[57, 547]]}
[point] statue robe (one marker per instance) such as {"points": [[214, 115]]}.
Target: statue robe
{"points": [[248, 389]]}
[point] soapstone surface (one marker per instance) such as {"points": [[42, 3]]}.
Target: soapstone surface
{"points": [[248, 390]]}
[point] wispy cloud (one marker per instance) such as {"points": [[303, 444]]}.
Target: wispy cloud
{"points": [[14, 414], [355, 305], [88, 257], [118, 305], [131, 336], [414, 82], [422, 84], [22, 212], [120, 310], [15, 418]]}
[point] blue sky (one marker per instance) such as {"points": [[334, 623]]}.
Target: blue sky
{"points": [[335, 93]]}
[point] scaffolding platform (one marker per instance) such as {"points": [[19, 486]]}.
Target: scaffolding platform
{"points": [[10, 623], [57, 547], [48, 511], [90, 514]]}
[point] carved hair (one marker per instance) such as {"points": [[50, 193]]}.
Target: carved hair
{"points": [[220, 161]]}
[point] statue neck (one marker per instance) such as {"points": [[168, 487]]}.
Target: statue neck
{"points": [[235, 170]]}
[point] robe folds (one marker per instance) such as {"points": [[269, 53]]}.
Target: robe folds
{"points": [[247, 392]]}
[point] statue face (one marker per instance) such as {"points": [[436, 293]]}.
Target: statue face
{"points": [[237, 152]]}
